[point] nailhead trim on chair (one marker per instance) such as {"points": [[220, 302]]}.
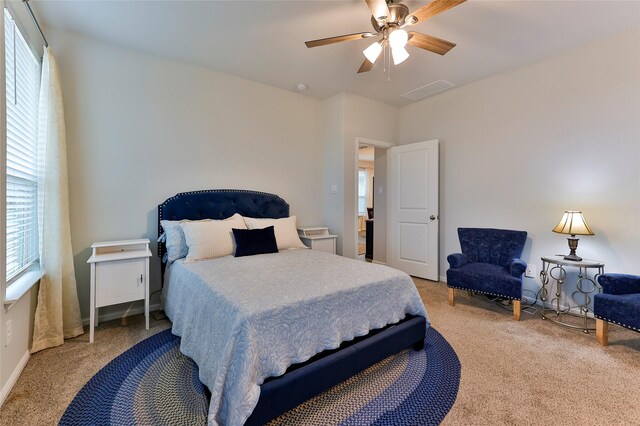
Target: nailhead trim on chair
{"points": [[616, 322], [484, 292]]}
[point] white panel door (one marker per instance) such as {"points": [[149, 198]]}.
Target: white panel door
{"points": [[412, 205]]}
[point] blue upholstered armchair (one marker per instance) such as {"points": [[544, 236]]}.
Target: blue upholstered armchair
{"points": [[619, 303], [489, 264]]}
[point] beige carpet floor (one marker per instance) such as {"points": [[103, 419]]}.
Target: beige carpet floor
{"points": [[527, 372]]}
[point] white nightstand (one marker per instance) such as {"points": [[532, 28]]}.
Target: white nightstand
{"points": [[318, 238], [119, 274]]}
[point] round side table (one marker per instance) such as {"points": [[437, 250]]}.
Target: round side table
{"points": [[553, 269]]}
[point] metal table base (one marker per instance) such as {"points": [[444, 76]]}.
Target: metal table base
{"points": [[553, 268]]}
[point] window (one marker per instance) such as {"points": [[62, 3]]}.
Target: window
{"points": [[362, 192], [22, 92]]}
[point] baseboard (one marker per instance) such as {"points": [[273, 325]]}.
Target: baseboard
{"points": [[14, 377], [443, 278], [531, 300], [123, 313], [378, 263]]}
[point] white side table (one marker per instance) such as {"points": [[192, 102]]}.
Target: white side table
{"points": [[119, 274], [318, 238]]}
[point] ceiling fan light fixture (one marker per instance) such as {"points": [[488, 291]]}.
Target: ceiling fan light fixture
{"points": [[399, 54], [372, 52], [398, 39], [388, 19]]}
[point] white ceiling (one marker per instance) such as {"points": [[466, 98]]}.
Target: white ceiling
{"points": [[264, 40]]}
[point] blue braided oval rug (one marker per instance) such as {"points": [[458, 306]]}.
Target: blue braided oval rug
{"points": [[154, 384]]}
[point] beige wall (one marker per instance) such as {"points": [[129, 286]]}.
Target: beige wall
{"points": [[369, 119], [365, 164], [15, 354], [348, 117], [519, 148], [141, 129], [333, 172]]}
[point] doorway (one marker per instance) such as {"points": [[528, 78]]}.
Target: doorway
{"points": [[370, 204], [366, 185]]}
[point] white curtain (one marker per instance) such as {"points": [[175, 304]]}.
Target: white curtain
{"points": [[58, 311]]}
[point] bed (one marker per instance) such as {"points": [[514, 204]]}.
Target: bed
{"points": [[270, 331]]}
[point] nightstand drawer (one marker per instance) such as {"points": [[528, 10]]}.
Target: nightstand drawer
{"points": [[325, 244], [321, 242], [120, 281]]}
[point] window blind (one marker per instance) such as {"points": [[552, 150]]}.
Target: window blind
{"points": [[22, 91]]}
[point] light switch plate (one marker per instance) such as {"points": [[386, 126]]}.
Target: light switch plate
{"points": [[334, 189]]}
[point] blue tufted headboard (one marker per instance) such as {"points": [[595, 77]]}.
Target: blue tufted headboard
{"points": [[219, 204]]}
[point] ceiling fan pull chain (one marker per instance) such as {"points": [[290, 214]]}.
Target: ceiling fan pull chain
{"points": [[389, 76], [384, 55]]}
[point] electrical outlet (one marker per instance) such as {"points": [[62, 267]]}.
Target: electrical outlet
{"points": [[7, 340], [531, 271]]}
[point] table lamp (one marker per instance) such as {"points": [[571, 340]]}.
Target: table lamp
{"points": [[573, 223]]}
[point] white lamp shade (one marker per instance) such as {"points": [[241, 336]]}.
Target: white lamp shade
{"points": [[398, 39], [399, 54], [573, 223], [372, 52]]}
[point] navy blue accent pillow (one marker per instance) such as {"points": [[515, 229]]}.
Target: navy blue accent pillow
{"points": [[255, 241]]}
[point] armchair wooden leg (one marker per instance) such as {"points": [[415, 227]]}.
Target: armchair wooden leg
{"points": [[516, 310], [452, 296], [602, 332]]}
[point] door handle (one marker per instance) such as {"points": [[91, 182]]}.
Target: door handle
{"points": [[432, 217]]}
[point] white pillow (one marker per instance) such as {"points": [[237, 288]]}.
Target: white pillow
{"points": [[174, 239], [211, 239], [285, 230]]}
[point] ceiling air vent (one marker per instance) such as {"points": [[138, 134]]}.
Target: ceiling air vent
{"points": [[428, 90]]}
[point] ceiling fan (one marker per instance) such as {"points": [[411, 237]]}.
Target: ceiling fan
{"points": [[389, 20]]}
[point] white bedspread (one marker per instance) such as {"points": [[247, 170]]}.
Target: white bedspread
{"points": [[245, 319]]}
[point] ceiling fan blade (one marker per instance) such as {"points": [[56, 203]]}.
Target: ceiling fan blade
{"points": [[430, 43], [337, 39], [379, 10], [365, 67], [432, 9]]}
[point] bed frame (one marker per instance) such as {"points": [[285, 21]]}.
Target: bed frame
{"points": [[305, 380]]}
